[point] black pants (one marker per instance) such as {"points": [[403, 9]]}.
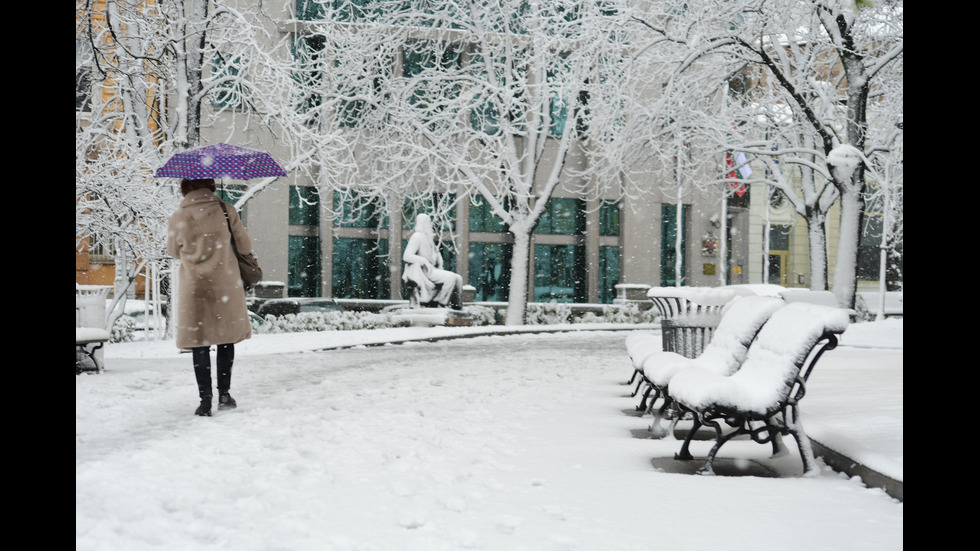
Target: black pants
{"points": [[202, 368]]}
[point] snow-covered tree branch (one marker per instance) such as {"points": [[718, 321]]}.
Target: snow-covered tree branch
{"points": [[810, 72], [448, 100], [150, 77]]}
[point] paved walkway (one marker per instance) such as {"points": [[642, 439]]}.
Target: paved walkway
{"points": [[852, 410]]}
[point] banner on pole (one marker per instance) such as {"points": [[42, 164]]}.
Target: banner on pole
{"points": [[742, 172]]}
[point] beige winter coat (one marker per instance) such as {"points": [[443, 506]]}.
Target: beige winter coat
{"points": [[211, 299]]}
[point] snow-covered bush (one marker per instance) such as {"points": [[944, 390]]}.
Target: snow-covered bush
{"points": [[482, 315], [323, 321], [613, 313], [123, 330], [861, 312], [553, 313], [549, 313]]}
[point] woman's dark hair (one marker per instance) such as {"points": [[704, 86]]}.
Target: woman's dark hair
{"points": [[187, 186]]}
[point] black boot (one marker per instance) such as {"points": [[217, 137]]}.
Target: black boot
{"points": [[204, 410], [225, 401], [225, 360], [202, 370]]}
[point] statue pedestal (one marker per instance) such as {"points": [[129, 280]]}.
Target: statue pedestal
{"points": [[459, 319], [428, 317]]}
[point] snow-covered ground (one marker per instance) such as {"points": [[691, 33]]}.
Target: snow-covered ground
{"points": [[500, 442]]}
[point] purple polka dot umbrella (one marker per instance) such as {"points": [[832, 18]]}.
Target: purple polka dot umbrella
{"points": [[220, 161]]}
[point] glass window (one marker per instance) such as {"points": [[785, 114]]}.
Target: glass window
{"points": [[559, 114], [482, 218], [352, 10], [485, 116], [227, 94], [489, 270], [304, 206], [310, 10], [609, 219], [563, 216], [83, 76], [429, 95], [308, 77], [304, 266], [83, 89], [740, 201], [350, 112], [358, 212], [352, 108], [429, 206], [342, 10], [869, 253], [668, 244], [779, 238], [486, 113], [608, 273], [869, 249], [230, 193], [559, 105], [448, 252], [360, 268], [559, 273]]}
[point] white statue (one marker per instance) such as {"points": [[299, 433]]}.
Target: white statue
{"points": [[424, 276]]}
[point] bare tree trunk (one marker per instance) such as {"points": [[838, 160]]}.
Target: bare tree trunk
{"points": [[845, 272], [816, 222], [196, 40], [520, 267]]}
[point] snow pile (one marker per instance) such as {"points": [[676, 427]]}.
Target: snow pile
{"points": [[490, 443]]}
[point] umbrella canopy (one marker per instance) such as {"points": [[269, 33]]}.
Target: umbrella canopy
{"points": [[221, 161]]}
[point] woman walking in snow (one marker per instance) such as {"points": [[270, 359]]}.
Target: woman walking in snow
{"points": [[211, 307]]}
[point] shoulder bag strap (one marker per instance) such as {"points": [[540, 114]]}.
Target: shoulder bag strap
{"points": [[228, 221]]}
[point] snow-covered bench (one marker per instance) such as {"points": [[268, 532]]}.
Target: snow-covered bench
{"points": [[88, 340], [762, 398], [741, 321]]}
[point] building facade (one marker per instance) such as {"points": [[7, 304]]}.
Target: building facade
{"points": [[581, 250]]}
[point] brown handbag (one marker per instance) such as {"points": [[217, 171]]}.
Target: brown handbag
{"points": [[248, 265]]}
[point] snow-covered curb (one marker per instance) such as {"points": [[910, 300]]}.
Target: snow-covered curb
{"points": [[281, 343]]}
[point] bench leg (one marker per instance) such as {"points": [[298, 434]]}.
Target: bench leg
{"points": [[633, 378], [639, 383], [84, 348], [655, 427], [646, 396], [810, 467], [778, 447], [98, 362], [720, 440], [684, 454]]}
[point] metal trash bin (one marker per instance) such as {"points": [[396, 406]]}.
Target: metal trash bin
{"points": [[689, 316]]}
